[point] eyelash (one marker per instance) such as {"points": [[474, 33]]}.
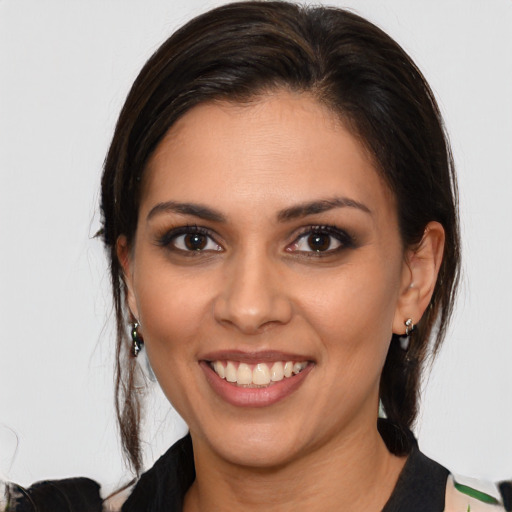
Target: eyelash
{"points": [[167, 239], [345, 240]]}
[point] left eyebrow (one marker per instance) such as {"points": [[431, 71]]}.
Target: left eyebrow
{"points": [[196, 210], [314, 207]]}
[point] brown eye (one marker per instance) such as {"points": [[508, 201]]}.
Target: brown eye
{"points": [[319, 242], [189, 240], [195, 241]]}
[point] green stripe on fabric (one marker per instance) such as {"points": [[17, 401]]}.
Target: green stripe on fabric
{"points": [[478, 495]]}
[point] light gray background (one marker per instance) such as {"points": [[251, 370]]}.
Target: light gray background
{"points": [[65, 69]]}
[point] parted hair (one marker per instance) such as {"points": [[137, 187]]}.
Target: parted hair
{"points": [[245, 49]]}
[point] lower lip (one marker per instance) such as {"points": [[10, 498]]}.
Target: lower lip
{"points": [[254, 397]]}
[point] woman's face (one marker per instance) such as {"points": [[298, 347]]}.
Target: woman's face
{"points": [[267, 272]]}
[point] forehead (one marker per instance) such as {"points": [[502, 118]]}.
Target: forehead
{"points": [[280, 148]]}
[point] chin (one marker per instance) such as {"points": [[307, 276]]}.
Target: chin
{"points": [[256, 446]]}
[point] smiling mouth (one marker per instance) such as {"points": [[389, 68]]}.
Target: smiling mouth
{"points": [[258, 375]]}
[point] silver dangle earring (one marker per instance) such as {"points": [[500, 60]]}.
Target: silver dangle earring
{"points": [[406, 338], [409, 327], [137, 340]]}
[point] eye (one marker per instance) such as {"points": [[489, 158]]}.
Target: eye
{"points": [[195, 242], [319, 242], [321, 239], [189, 239]]}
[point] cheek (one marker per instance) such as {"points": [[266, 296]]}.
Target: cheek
{"points": [[173, 310], [360, 299], [353, 317], [173, 319]]}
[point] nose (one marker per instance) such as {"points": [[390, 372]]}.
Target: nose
{"points": [[253, 296]]}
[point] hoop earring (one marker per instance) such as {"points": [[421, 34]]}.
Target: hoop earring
{"points": [[406, 338], [409, 327], [137, 340]]}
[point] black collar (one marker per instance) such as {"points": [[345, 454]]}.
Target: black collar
{"points": [[420, 488]]}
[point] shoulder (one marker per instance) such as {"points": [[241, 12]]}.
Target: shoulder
{"points": [[424, 485], [163, 487], [469, 495], [68, 495]]}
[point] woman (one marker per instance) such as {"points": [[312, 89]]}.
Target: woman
{"points": [[280, 210]]}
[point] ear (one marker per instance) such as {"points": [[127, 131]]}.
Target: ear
{"points": [[125, 257], [419, 276]]}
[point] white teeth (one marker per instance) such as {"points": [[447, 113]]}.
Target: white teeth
{"points": [[219, 369], [298, 367], [244, 374], [276, 372], [230, 372], [260, 374]]}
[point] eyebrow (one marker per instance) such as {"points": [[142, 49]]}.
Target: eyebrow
{"points": [[197, 210], [291, 213], [314, 207]]}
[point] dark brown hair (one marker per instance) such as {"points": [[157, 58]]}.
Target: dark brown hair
{"points": [[241, 50]]}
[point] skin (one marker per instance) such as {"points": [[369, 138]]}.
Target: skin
{"points": [[258, 285]]}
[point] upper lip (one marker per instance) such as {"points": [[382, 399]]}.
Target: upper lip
{"points": [[253, 357]]}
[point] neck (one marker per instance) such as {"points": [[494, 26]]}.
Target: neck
{"points": [[355, 472]]}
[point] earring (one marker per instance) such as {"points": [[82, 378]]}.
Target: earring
{"points": [[409, 327], [405, 338], [137, 339]]}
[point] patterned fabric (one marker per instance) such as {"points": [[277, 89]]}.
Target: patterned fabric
{"points": [[464, 498]]}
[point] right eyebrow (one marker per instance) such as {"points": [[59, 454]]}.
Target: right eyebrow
{"points": [[320, 206], [197, 210]]}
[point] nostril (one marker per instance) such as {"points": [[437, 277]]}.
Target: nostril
{"points": [[255, 316]]}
